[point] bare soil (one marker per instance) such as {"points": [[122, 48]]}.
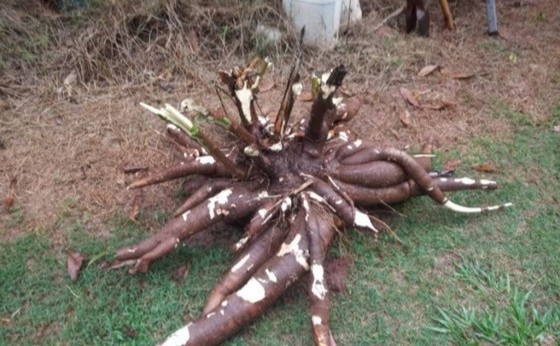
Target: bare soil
{"points": [[66, 143]]}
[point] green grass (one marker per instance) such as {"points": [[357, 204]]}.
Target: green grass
{"points": [[508, 317], [457, 279]]}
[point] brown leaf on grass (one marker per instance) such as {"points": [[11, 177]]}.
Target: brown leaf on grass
{"points": [[486, 167], [130, 332], [440, 106], [74, 261], [337, 273], [426, 70], [451, 165], [405, 118], [305, 96], [456, 75], [181, 273], [409, 97], [9, 201]]}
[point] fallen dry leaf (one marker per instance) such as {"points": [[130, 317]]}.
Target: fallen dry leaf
{"points": [[305, 96], [405, 118], [486, 167], [135, 210], [451, 165], [181, 273], [456, 75], [556, 129], [409, 97], [462, 75], [442, 105], [74, 261], [426, 70], [9, 201]]}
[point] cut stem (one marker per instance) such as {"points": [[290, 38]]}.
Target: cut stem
{"points": [[288, 98], [172, 115]]}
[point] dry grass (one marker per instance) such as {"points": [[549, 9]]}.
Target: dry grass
{"points": [[138, 42], [67, 144]]}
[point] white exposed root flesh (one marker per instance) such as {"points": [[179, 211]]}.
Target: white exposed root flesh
{"points": [[219, 199], [241, 263], [305, 204], [337, 101], [271, 276], [286, 204], [362, 220], [262, 212], [276, 147], [241, 243], [356, 144], [318, 287], [294, 249], [179, 338], [205, 160], [316, 320], [466, 181], [473, 210], [251, 151], [252, 292], [343, 136]]}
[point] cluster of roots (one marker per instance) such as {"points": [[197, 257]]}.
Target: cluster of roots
{"points": [[297, 184]]}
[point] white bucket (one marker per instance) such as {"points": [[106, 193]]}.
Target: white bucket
{"points": [[321, 19]]}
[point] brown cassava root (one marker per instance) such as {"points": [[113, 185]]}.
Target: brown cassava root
{"points": [[297, 184]]}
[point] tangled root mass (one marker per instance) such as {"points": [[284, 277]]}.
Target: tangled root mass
{"points": [[296, 183]]}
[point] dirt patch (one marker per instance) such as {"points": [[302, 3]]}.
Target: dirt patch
{"points": [[67, 143]]}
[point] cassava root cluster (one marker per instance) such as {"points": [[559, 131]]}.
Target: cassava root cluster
{"points": [[297, 184]]}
